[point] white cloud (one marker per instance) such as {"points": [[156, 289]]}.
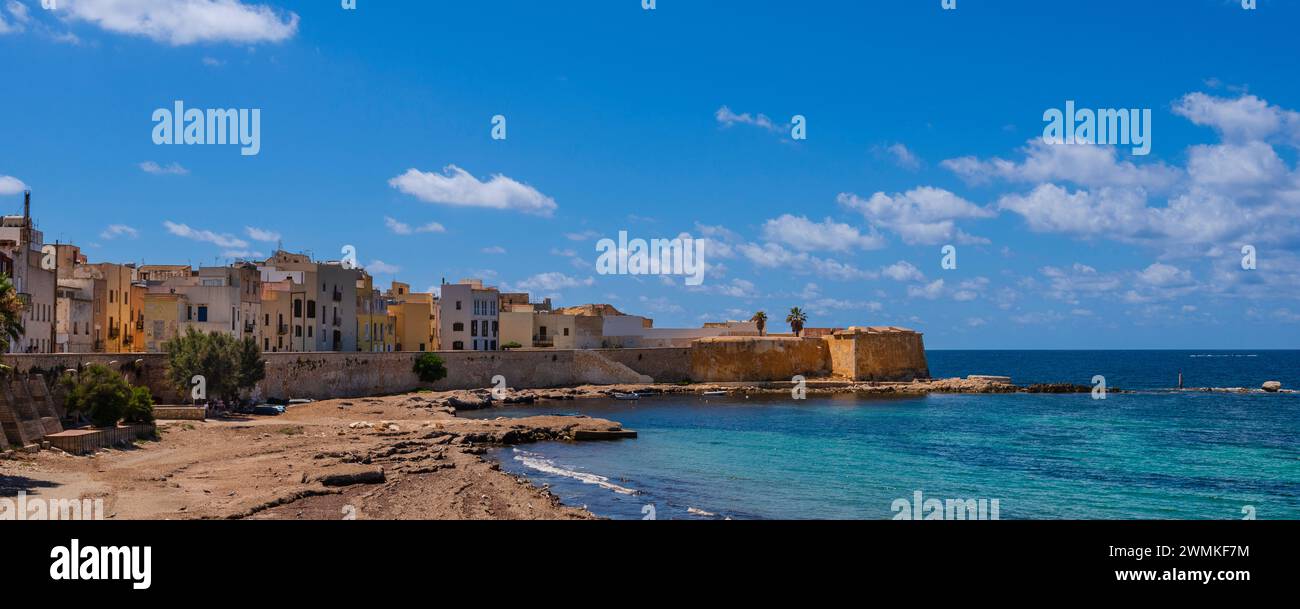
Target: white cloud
{"points": [[379, 267], [805, 235], [727, 118], [772, 255], [1080, 164], [929, 291], [402, 228], [184, 22], [20, 16], [156, 169], [243, 254], [118, 230], [495, 249], [219, 239], [550, 282], [10, 185], [903, 271], [1245, 119], [261, 234], [902, 156], [924, 215], [455, 186]]}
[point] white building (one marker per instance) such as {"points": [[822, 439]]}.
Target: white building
{"points": [[34, 280], [468, 316]]}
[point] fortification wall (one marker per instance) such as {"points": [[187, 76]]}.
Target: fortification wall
{"points": [[757, 358]]}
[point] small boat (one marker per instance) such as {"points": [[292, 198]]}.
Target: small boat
{"points": [[627, 396], [714, 393]]}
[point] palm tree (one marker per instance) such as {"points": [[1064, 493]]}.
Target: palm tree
{"points": [[796, 319], [11, 314], [760, 318]]}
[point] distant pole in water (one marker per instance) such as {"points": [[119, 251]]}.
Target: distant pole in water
{"points": [[1180, 379]]}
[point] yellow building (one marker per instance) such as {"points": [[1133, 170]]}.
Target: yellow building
{"points": [[164, 313], [376, 329], [116, 320], [415, 318]]}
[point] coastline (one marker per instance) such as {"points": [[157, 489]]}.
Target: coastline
{"points": [[406, 456]]}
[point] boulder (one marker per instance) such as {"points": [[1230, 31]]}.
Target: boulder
{"points": [[1273, 386]]}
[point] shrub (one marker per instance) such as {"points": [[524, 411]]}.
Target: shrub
{"points": [[429, 368], [101, 394], [140, 408]]}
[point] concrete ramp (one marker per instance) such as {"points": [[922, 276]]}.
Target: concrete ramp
{"points": [[592, 368]]}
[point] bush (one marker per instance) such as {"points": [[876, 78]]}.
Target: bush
{"points": [[102, 395], [140, 408], [429, 368]]}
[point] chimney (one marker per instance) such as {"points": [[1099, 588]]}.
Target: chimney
{"points": [[27, 206]]}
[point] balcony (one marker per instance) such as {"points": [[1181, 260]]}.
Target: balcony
{"points": [[338, 320], [542, 341], [128, 339], [114, 332], [338, 295], [282, 329], [249, 327], [139, 325]]}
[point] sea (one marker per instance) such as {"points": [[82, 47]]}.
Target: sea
{"points": [[1149, 451]]}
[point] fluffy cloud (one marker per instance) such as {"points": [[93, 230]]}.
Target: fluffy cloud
{"points": [[379, 267], [455, 186], [903, 271], [184, 22], [805, 235], [772, 255], [218, 239], [18, 13], [924, 215], [1081, 164], [1245, 119], [10, 185], [550, 282]]}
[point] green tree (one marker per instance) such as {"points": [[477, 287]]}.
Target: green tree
{"points": [[760, 318], [228, 366], [11, 314], [796, 319], [429, 368], [140, 408]]}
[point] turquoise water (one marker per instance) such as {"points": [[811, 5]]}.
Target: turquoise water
{"points": [[1151, 454]]}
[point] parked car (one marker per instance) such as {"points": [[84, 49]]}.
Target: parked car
{"points": [[268, 409]]}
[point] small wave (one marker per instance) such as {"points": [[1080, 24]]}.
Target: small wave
{"points": [[699, 512], [1225, 355], [546, 466]]}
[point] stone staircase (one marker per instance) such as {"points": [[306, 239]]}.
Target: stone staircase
{"points": [[27, 413], [592, 368]]}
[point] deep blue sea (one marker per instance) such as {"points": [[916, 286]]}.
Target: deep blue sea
{"points": [[1155, 453]]}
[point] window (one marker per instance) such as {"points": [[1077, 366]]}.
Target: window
{"points": [[422, 346], [566, 331], [268, 320], [458, 327], [297, 307], [297, 331], [473, 328], [311, 309], [458, 346], [494, 328], [203, 313], [542, 332], [457, 305]]}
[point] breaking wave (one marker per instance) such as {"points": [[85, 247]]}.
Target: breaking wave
{"points": [[537, 462]]}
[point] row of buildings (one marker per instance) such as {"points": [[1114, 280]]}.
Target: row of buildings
{"points": [[290, 303]]}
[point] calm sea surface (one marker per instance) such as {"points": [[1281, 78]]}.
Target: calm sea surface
{"points": [[1155, 453]]}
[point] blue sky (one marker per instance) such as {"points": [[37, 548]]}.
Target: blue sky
{"points": [[924, 129]]}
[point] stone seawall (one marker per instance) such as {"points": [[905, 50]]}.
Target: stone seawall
{"points": [[858, 356], [343, 375]]}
